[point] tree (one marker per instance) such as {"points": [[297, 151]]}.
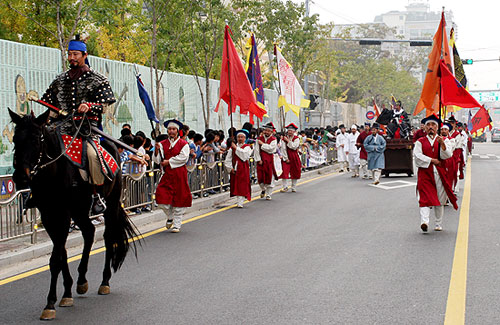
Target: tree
{"points": [[375, 71], [165, 34], [202, 45], [117, 31], [49, 22], [285, 23]]}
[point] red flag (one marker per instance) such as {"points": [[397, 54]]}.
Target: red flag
{"points": [[234, 82], [429, 99], [376, 109], [452, 91], [480, 120]]}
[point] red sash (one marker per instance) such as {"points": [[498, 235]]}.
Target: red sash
{"points": [[426, 184], [240, 181], [266, 171], [173, 188], [292, 168]]}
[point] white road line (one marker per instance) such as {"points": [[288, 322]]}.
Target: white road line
{"points": [[384, 186]]}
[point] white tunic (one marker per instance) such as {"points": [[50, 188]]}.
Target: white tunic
{"points": [[341, 140], [177, 161], [269, 148], [242, 153], [294, 145], [423, 161]]}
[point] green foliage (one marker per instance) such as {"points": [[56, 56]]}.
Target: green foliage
{"points": [[186, 36]]}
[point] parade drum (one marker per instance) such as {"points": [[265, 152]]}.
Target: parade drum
{"points": [[133, 169]]}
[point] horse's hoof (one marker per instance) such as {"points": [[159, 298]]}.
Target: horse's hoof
{"points": [[48, 314], [66, 302], [82, 288], [103, 290]]}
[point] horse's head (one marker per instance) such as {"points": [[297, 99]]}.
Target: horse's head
{"points": [[27, 145]]}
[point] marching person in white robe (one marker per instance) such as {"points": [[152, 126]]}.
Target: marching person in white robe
{"points": [[353, 151], [341, 144]]}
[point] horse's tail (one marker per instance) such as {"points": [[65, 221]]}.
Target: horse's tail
{"points": [[121, 234]]}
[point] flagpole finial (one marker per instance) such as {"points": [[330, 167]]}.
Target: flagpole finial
{"points": [[227, 21]]}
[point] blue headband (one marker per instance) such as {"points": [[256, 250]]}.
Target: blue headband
{"points": [[77, 46]]}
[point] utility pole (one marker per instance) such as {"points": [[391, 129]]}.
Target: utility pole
{"points": [[302, 118], [306, 78]]}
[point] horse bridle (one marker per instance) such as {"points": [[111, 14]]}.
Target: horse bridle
{"points": [[37, 166]]}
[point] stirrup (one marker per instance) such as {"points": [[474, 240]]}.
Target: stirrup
{"points": [[98, 204]]}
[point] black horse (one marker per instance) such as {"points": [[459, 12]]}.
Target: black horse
{"points": [[61, 194]]}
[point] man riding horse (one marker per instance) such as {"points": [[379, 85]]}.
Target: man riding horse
{"points": [[60, 185], [81, 90]]}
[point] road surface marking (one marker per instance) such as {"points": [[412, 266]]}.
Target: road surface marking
{"points": [[455, 305], [150, 233], [384, 185]]}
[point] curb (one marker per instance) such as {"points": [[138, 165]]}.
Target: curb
{"points": [[144, 222]]}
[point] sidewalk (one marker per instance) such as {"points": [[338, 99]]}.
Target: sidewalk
{"points": [[19, 255]]}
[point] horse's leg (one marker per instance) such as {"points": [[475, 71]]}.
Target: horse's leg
{"points": [[67, 299], [104, 289], [58, 233], [88, 231]]}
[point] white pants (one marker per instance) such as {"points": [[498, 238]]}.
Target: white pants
{"points": [[363, 164], [240, 200], [173, 213], [267, 188], [426, 211], [376, 174], [285, 183]]}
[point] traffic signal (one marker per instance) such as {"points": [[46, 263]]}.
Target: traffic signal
{"points": [[467, 61]]}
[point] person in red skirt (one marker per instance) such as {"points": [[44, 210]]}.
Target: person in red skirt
{"points": [[173, 194], [291, 163], [433, 186], [237, 163], [448, 164], [265, 148]]}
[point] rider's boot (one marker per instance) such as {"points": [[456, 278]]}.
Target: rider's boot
{"points": [[98, 202]]}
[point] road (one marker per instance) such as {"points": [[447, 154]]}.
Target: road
{"points": [[338, 251]]}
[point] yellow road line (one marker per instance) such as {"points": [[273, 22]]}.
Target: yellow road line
{"points": [[150, 233], [455, 305]]}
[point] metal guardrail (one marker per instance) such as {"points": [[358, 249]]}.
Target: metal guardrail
{"points": [[209, 176]]}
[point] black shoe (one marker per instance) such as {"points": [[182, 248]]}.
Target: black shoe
{"points": [[146, 209], [98, 204]]}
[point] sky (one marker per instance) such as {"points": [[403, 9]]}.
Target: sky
{"points": [[477, 29]]}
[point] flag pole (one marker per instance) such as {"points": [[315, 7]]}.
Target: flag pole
{"points": [[154, 133], [282, 109], [443, 25], [229, 82]]}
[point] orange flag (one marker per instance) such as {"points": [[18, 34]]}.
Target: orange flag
{"points": [[429, 99]]}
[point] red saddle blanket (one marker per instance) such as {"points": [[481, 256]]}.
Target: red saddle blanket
{"points": [[77, 154]]}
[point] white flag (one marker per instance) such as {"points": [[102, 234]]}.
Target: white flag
{"points": [[292, 95]]}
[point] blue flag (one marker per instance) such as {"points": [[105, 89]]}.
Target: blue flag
{"points": [[144, 96], [253, 72]]}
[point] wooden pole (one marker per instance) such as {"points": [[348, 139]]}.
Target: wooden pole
{"points": [[229, 83], [282, 110]]}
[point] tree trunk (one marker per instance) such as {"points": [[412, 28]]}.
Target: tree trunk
{"points": [[207, 98]]}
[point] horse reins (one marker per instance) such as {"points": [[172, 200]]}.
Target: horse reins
{"points": [[39, 167]]}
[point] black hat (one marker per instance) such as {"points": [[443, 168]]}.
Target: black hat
{"points": [[452, 119], [447, 125], [175, 123], [460, 124], [341, 126], [243, 131], [269, 125], [367, 124], [376, 125], [432, 118], [292, 126]]}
